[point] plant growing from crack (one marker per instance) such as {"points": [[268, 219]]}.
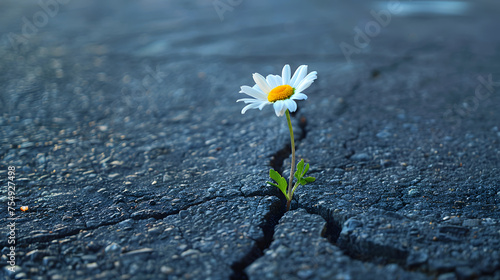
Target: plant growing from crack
{"points": [[281, 92]]}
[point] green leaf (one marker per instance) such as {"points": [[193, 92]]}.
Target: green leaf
{"points": [[304, 181], [274, 175], [300, 167], [282, 184], [310, 179], [273, 184], [305, 170]]}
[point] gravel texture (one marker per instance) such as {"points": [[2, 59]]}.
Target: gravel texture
{"points": [[300, 251]]}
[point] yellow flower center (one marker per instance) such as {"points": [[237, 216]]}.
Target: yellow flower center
{"points": [[280, 93]]}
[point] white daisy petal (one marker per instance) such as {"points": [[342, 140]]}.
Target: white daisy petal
{"points": [[282, 112], [250, 106], [306, 82], [299, 74], [273, 81], [247, 100], [299, 96], [291, 105], [263, 104], [261, 82], [304, 85], [313, 75], [278, 107], [253, 92], [285, 75], [278, 80]]}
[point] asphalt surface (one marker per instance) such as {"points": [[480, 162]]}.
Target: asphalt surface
{"points": [[122, 135]]}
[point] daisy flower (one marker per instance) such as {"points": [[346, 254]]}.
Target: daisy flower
{"points": [[280, 91]]}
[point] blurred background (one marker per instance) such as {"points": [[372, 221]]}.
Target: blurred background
{"points": [[71, 46]]}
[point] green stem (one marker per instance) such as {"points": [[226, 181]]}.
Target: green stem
{"points": [[290, 181]]}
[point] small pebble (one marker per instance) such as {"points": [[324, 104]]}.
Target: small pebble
{"points": [[113, 247], [413, 192], [361, 157], [383, 134], [166, 269]]}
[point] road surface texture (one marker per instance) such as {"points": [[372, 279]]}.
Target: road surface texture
{"points": [[121, 133]]}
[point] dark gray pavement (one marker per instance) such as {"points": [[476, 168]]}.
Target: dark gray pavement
{"points": [[121, 121]]}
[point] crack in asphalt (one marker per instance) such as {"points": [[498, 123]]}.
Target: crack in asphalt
{"points": [[278, 158], [345, 143], [332, 231], [156, 215], [276, 212], [271, 220]]}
